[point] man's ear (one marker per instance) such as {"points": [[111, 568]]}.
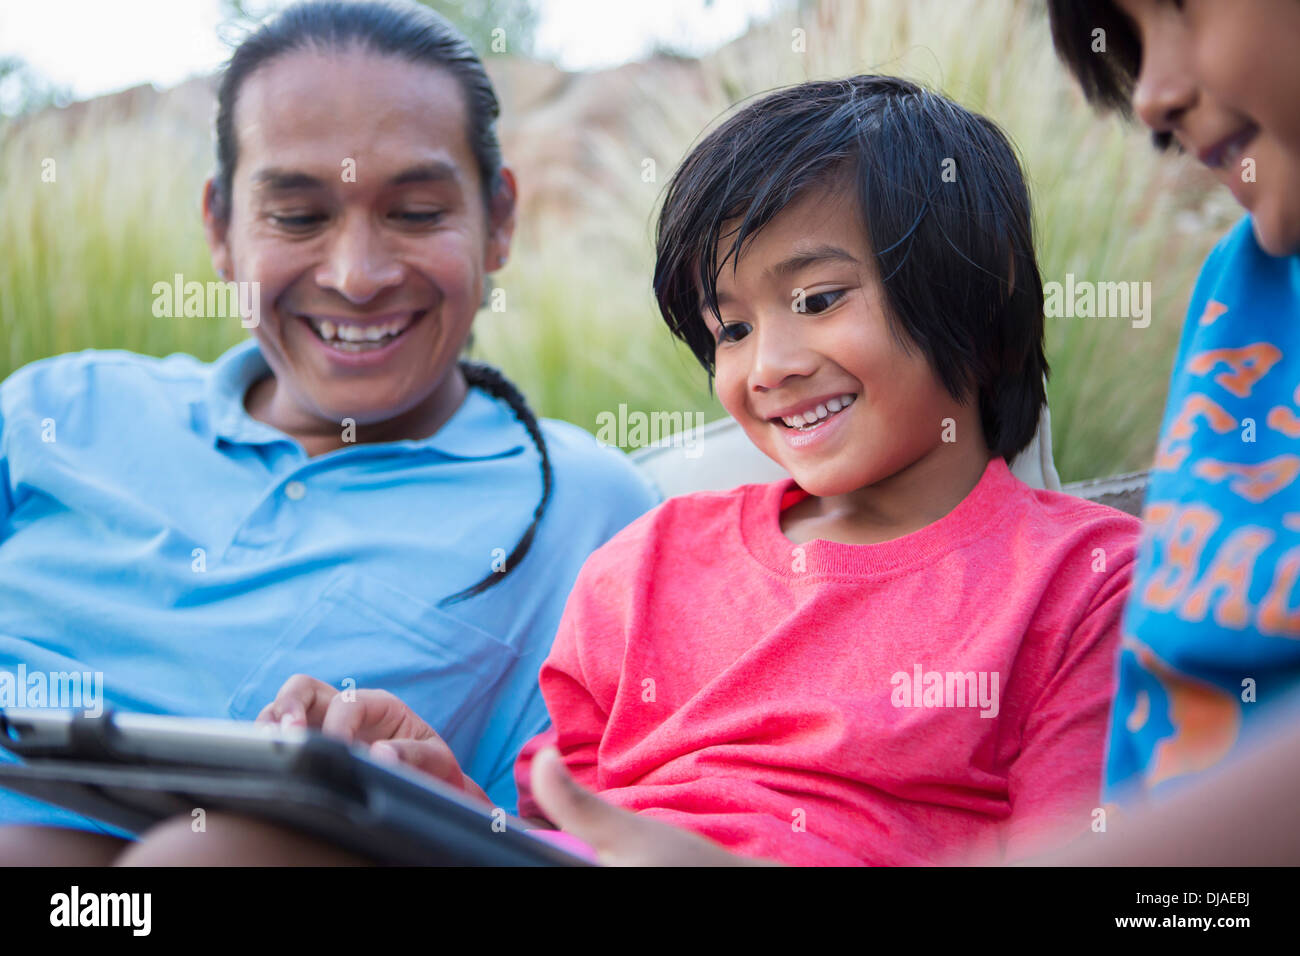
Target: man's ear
{"points": [[501, 219], [215, 229]]}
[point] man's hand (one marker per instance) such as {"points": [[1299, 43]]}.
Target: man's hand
{"points": [[619, 837], [375, 717]]}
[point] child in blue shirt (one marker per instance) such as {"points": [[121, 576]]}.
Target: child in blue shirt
{"points": [[1210, 649]]}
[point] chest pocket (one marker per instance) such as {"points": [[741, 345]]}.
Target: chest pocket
{"points": [[362, 629]]}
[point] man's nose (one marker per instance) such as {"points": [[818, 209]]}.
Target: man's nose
{"points": [[359, 264]]}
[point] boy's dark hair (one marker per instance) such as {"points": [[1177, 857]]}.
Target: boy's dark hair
{"points": [[944, 207], [1107, 75], [415, 33]]}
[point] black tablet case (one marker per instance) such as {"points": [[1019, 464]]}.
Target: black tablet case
{"points": [[324, 789]]}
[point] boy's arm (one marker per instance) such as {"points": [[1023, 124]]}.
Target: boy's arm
{"points": [[1055, 782]]}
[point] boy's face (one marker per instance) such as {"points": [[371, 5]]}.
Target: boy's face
{"points": [[774, 362], [1224, 80]]}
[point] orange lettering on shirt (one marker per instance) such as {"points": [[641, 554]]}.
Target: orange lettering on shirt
{"points": [[1255, 483], [1283, 420], [1198, 405], [1206, 720], [1169, 460], [1279, 614], [1212, 311], [1138, 716], [1230, 571], [1181, 558], [1183, 427], [1249, 364], [1156, 513]]}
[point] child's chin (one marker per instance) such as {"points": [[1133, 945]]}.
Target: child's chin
{"points": [[1276, 236], [825, 482]]}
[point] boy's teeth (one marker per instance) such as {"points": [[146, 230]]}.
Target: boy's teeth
{"points": [[815, 415]]}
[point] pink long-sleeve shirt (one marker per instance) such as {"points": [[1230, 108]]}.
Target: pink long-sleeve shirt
{"points": [[941, 697]]}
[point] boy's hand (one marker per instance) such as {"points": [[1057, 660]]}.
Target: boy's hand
{"points": [[619, 837], [395, 733]]}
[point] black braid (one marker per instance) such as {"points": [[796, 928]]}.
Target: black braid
{"points": [[497, 385]]}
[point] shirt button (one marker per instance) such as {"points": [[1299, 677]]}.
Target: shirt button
{"points": [[295, 491]]}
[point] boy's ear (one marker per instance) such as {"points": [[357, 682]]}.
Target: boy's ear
{"points": [[501, 219], [215, 229]]}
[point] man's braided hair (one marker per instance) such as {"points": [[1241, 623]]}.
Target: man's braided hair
{"points": [[491, 380]]}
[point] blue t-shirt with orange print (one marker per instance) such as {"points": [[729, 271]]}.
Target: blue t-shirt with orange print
{"points": [[1211, 637]]}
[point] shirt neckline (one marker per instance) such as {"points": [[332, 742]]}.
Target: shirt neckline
{"points": [[481, 427], [760, 530]]}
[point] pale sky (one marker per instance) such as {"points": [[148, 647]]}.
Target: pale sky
{"points": [[98, 46]]}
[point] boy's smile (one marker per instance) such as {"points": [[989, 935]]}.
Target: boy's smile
{"points": [[1221, 78]]}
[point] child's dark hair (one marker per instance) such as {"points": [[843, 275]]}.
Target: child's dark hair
{"points": [[415, 33], [1107, 75], [944, 207]]}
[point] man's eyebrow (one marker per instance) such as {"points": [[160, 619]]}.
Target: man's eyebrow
{"points": [[430, 172], [810, 257], [283, 180], [272, 178]]}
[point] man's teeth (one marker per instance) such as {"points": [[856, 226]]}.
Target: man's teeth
{"points": [[813, 416], [342, 334]]}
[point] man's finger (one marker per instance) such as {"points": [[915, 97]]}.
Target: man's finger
{"points": [[302, 701], [369, 715], [433, 757]]}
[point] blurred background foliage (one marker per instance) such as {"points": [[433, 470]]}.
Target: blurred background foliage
{"points": [[593, 152]]}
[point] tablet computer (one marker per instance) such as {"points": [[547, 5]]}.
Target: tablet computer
{"points": [[135, 770]]}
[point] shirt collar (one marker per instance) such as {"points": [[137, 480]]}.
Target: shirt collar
{"points": [[482, 427]]}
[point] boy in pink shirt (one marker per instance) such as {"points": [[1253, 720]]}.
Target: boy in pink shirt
{"points": [[903, 655]]}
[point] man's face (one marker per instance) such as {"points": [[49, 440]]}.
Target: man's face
{"points": [[356, 204], [829, 393], [1224, 79]]}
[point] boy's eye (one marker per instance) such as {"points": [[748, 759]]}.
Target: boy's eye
{"points": [[821, 301], [733, 331]]}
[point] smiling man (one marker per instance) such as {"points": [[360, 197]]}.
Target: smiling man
{"points": [[338, 496]]}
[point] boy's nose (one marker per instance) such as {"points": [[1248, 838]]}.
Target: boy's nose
{"points": [[779, 355], [1166, 85]]}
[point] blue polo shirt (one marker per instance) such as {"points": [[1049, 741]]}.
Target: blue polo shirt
{"points": [[152, 532]]}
